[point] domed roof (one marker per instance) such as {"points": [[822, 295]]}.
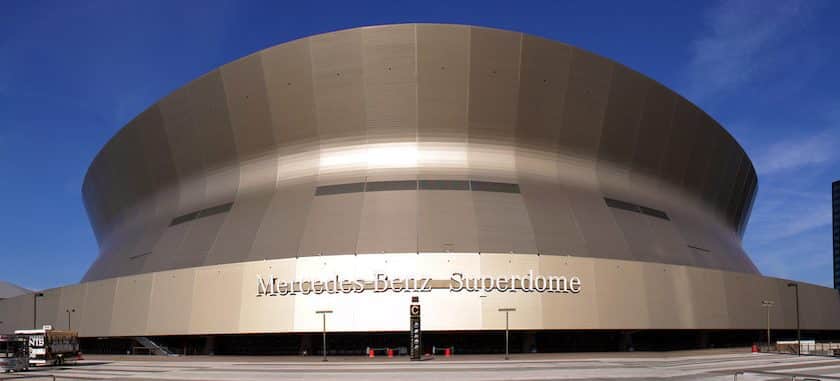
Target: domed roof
{"points": [[232, 166]]}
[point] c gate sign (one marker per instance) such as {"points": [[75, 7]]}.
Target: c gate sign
{"points": [[416, 346]]}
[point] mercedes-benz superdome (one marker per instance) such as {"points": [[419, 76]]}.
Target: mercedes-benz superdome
{"points": [[475, 168]]}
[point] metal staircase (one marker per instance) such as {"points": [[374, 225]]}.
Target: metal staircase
{"points": [[153, 347]]}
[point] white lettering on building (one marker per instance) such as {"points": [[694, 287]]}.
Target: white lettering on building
{"points": [[458, 282]]}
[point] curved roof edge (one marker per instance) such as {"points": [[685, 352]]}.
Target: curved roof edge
{"points": [[725, 130]]}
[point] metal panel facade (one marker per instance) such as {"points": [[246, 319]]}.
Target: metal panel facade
{"points": [[408, 102], [614, 295]]}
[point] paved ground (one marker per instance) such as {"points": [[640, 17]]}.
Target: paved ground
{"points": [[693, 365]]}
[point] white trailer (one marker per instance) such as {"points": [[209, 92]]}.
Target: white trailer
{"points": [[51, 347]]}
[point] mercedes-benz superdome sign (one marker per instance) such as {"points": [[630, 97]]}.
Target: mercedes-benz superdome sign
{"points": [[458, 282]]}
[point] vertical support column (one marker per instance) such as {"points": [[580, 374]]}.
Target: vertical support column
{"points": [[305, 344], [529, 341], [210, 345], [626, 341], [703, 339]]}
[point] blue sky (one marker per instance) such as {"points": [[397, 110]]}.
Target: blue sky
{"points": [[72, 73]]}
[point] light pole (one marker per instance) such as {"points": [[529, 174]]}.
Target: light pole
{"points": [[323, 314], [768, 304], [507, 312], [798, 331], [68, 318], [35, 297]]}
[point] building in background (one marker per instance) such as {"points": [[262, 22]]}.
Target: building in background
{"points": [[479, 169], [9, 290], [835, 225]]}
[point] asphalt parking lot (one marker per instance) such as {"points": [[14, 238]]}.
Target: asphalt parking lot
{"points": [[688, 365]]}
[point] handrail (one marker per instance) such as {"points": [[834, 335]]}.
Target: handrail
{"points": [[152, 346]]}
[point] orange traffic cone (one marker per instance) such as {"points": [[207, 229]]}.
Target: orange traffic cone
{"points": [[370, 354], [755, 348], [390, 353], [447, 352]]}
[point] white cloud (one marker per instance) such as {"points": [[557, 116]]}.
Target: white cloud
{"points": [[795, 153], [790, 229], [744, 41], [778, 217], [803, 258]]}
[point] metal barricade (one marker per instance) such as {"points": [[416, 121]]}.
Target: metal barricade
{"points": [[52, 377], [445, 351], [831, 349], [30, 377], [793, 376]]}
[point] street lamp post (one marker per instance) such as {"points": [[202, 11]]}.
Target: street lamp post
{"points": [[507, 312], [768, 304], [323, 314], [69, 327], [798, 331], [35, 297]]}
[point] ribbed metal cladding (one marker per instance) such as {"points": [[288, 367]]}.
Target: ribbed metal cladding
{"points": [[387, 126]]}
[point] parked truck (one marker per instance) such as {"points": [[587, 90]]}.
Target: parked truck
{"points": [[47, 346], [14, 354]]}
